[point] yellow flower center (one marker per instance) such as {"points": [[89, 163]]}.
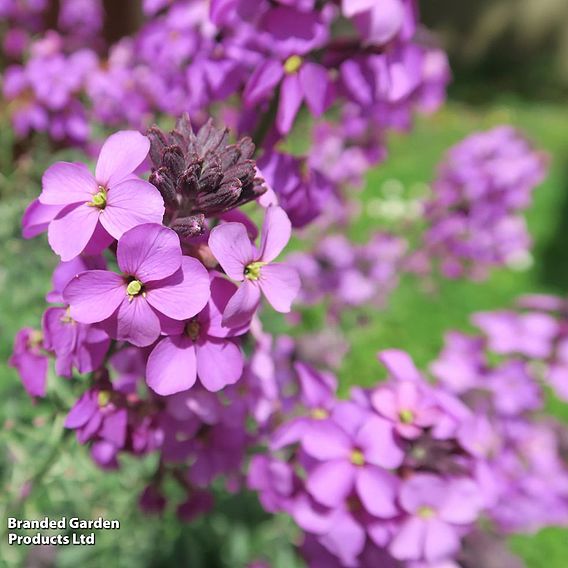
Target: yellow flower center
{"points": [[104, 398], [357, 458], [293, 64], [134, 288], [426, 512], [252, 271], [319, 413], [99, 199], [192, 329], [406, 416]]}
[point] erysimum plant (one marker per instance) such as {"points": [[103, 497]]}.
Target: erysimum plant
{"points": [[173, 249]]}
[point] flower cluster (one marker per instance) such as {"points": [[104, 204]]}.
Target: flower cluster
{"points": [[401, 474], [126, 278], [258, 68], [474, 214], [350, 275]]}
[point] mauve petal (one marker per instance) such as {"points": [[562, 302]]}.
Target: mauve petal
{"points": [[399, 364], [120, 155], [82, 411], [37, 217], [312, 517], [91, 352], [441, 541], [172, 366], [327, 442], [378, 491], [263, 81], [149, 252], [242, 305], [130, 203], [114, 427], [222, 290], [134, 321], [276, 232], [346, 539], [99, 241], [64, 183], [280, 284], [317, 387], [407, 394], [408, 543], [330, 482], [69, 233], [219, 363], [316, 87], [463, 502], [381, 23], [376, 440], [94, 295], [423, 490], [289, 433], [183, 294], [291, 96], [232, 248], [352, 7], [385, 403]]}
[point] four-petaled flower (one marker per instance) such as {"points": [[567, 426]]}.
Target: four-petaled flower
{"points": [[96, 208], [157, 285], [203, 348], [242, 261]]}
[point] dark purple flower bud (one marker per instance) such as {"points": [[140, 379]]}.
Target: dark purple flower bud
{"points": [[188, 227], [201, 173]]}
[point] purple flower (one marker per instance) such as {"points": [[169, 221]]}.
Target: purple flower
{"points": [[354, 461], [203, 349], [243, 262], [407, 406], [114, 199], [436, 511], [157, 283], [31, 362], [74, 344]]}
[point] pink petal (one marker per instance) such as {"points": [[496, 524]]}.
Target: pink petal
{"points": [[134, 321], [352, 7], [316, 87], [327, 442], [120, 155], [222, 290], [280, 284], [242, 305], [291, 96], [37, 217], [441, 541], [346, 540], [219, 363], [232, 248], [183, 294], [94, 295], [263, 81], [331, 482], [399, 364], [149, 252], [130, 203], [463, 502], [408, 395], [64, 183], [408, 544], [276, 232], [378, 491], [172, 366], [376, 440], [69, 233], [385, 403]]}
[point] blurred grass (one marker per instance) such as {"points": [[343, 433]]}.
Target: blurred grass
{"points": [[414, 320]]}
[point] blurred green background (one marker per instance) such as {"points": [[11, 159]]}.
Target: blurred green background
{"points": [[510, 67]]}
